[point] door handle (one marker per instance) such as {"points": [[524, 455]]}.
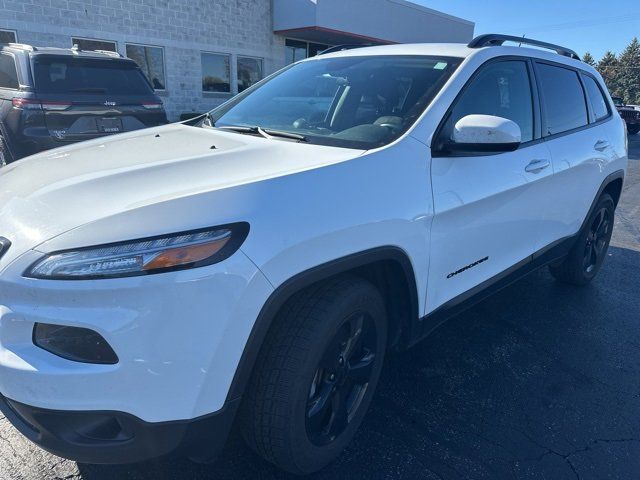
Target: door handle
{"points": [[536, 166], [601, 145]]}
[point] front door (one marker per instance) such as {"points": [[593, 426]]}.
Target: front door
{"points": [[488, 208]]}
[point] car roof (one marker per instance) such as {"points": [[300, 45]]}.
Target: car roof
{"points": [[457, 50], [439, 49], [34, 51]]}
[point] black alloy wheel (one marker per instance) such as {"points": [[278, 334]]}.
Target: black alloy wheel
{"points": [[597, 241], [316, 374], [341, 379], [587, 255]]}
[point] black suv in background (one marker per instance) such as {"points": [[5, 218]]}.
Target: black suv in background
{"points": [[50, 97], [629, 114]]}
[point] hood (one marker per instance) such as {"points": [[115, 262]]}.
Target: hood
{"points": [[51, 193]]}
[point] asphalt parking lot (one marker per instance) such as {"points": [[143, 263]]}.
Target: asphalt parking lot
{"points": [[540, 381]]}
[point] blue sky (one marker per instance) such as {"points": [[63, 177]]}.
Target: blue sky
{"points": [[588, 25]]}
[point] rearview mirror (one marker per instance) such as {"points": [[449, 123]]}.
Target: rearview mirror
{"points": [[485, 133]]}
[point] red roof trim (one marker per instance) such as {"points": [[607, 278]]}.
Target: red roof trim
{"points": [[293, 31]]}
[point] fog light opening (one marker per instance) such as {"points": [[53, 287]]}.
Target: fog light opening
{"points": [[74, 343]]}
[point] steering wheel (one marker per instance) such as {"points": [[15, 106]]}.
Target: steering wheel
{"points": [[391, 126], [300, 123]]}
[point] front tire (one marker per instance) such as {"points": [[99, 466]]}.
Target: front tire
{"points": [[316, 375], [585, 259]]}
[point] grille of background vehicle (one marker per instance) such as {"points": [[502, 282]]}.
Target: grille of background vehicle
{"points": [[630, 114]]}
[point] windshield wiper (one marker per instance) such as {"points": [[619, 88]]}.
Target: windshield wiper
{"points": [[265, 132], [280, 133], [238, 128]]}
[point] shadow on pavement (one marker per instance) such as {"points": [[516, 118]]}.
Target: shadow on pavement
{"points": [[539, 381]]}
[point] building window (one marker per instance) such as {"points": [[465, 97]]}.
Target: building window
{"points": [[91, 44], [249, 72], [8, 72], [216, 72], [315, 48], [296, 50], [8, 36], [151, 62]]}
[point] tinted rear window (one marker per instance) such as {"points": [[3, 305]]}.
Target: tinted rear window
{"points": [[596, 97], [563, 98], [78, 76], [8, 73]]}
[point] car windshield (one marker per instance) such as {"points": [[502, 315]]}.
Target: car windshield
{"points": [[617, 101], [83, 75], [356, 102]]}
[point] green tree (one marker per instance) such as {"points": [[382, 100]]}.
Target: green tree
{"points": [[629, 72], [608, 68], [589, 60]]}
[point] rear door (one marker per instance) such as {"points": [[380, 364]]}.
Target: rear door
{"points": [[488, 208], [84, 97], [575, 128]]}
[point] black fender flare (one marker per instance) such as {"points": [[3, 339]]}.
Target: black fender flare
{"points": [[609, 179], [304, 279]]}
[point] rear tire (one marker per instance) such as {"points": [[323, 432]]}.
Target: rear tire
{"points": [[633, 129], [316, 375], [585, 258], [5, 154]]}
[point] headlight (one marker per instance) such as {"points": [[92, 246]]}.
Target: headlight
{"points": [[142, 257]]}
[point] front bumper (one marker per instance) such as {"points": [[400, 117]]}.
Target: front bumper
{"points": [[179, 337], [116, 437]]}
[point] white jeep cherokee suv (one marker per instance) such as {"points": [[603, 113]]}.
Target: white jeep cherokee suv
{"points": [[255, 265]]}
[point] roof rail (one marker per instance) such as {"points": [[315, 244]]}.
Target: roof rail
{"points": [[340, 48], [108, 52], [495, 39], [22, 46], [76, 49]]}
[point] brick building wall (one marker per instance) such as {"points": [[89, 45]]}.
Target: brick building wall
{"points": [[184, 28]]}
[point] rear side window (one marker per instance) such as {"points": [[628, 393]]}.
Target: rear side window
{"points": [[562, 98], [596, 98], [86, 76], [8, 72], [502, 89]]}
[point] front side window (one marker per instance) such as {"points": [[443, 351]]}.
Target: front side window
{"points": [[599, 105], [86, 76], [249, 72], [151, 62], [7, 36], [358, 102], [90, 44], [563, 99], [8, 72], [501, 89], [216, 73]]}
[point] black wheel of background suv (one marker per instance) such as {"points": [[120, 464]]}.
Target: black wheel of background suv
{"points": [[633, 129], [584, 260], [316, 375], [5, 154]]}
